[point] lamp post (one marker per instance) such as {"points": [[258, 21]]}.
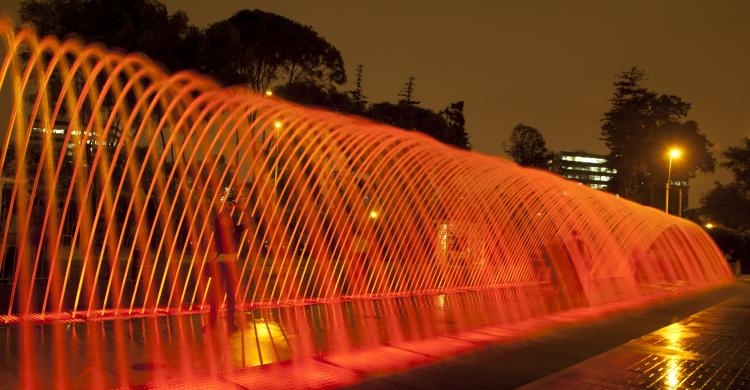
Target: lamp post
{"points": [[673, 154]]}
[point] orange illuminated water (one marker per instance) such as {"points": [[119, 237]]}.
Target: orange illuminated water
{"points": [[113, 171]]}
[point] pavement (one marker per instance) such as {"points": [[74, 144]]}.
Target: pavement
{"points": [[707, 350], [471, 340], [696, 342]]}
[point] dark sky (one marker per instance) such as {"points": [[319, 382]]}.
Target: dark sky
{"points": [[549, 64]]}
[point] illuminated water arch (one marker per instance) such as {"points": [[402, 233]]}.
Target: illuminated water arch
{"points": [[113, 170]]}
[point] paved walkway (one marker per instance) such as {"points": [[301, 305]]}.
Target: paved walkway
{"points": [[708, 350], [702, 341], [347, 342]]}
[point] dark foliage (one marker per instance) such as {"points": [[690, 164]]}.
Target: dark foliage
{"points": [[729, 205], [527, 147], [316, 95], [639, 128], [446, 126], [132, 25], [734, 243], [737, 160], [257, 48], [253, 48]]}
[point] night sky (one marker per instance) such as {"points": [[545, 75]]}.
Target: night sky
{"points": [[549, 64]]}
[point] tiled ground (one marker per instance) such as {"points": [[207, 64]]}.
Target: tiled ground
{"points": [[349, 342], [696, 342], [707, 350]]}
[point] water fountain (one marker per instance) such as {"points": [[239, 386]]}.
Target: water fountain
{"points": [[112, 172]]}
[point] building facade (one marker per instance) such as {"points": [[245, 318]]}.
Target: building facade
{"points": [[587, 168]]}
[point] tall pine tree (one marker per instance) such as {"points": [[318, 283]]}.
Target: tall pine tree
{"points": [[639, 128]]}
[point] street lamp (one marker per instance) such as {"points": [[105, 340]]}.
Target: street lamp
{"points": [[673, 154]]}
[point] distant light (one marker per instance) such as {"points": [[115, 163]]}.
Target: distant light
{"points": [[277, 124], [373, 214], [538, 214], [269, 92], [675, 153], [709, 226]]}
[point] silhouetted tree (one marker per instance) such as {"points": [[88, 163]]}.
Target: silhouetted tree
{"points": [[526, 146], [407, 93], [454, 116], [729, 205], [639, 128], [412, 117], [253, 48], [737, 160], [313, 94], [735, 243], [357, 94], [132, 25], [258, 48]]}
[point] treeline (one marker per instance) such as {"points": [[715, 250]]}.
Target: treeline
{"points": [[260, 50], [727, 206], [639, 129]]}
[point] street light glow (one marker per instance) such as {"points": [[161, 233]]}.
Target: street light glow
{"points": [[709, 226], [269, 92], [675, 153], [373, 214], [277, 124]]}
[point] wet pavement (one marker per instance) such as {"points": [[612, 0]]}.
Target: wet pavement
{"points": [[497, 339], [318, 345], [707, 350], [695, 342]]}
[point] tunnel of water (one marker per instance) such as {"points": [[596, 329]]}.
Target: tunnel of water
{"points": [[113, 170]]}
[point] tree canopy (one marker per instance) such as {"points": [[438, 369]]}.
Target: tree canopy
{"points": [[313, 94], [358, 94], [526, 146], [407, 92], [258, 48], [737, 160], [446, 126], [728, 205], [132, 25], [639, 128]]}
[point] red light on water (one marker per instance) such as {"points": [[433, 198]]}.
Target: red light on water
{"points": [[111, 216]]}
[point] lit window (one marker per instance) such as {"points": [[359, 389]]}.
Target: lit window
{"points": [[591, 160]]}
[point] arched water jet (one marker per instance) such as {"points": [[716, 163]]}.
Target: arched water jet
{"points": [[311, 186], [114, 169]]}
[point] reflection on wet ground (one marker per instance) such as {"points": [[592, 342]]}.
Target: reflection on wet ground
{"points": [[297, 346], [708, 350], [305, 346]]}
